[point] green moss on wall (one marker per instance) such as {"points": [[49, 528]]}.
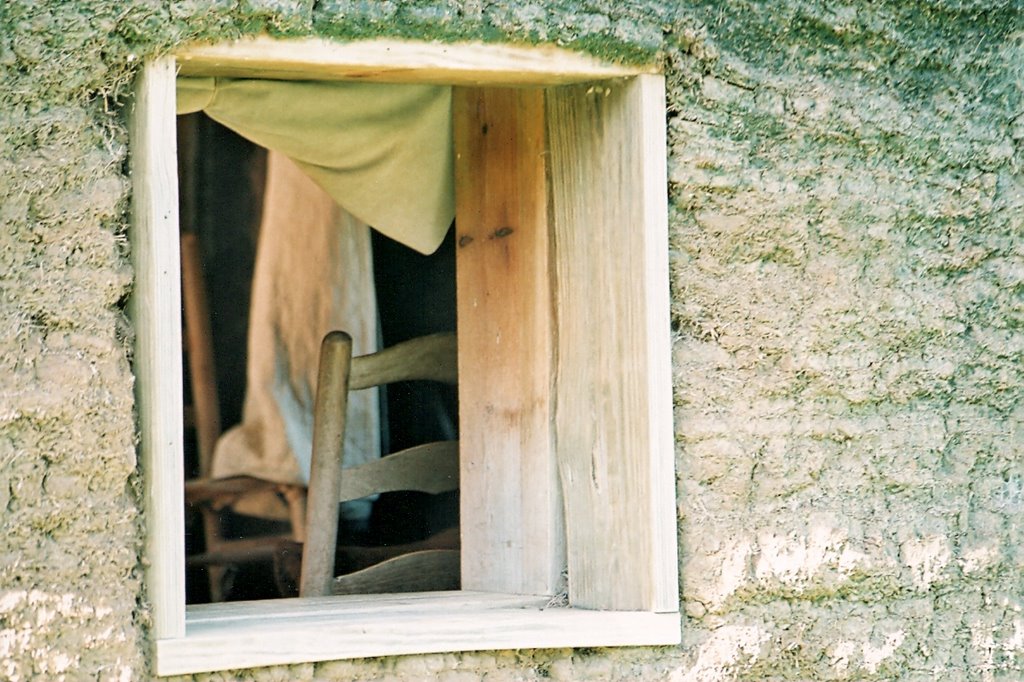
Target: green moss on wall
{"points": [[847, 268]]}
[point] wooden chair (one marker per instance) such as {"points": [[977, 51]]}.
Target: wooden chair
{"points": [[432, 564], [211, 495]]}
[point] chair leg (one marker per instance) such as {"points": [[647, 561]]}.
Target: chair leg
{"points": [[204, 388], [325, 470], [295, 496]]}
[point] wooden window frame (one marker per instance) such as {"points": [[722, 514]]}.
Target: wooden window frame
{"points": [[563, 290]]}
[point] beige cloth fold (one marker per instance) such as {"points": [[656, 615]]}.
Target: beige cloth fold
{"points": [[314, 273], [382, 151]]}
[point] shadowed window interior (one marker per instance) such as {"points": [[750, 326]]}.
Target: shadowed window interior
{"points": [[223, 193], [564, 459]]}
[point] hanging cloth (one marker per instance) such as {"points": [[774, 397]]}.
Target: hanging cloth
{"points": [[313, 273], [343, 156], [384, 152]]}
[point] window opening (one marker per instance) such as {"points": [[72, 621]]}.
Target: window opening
{"points": [[222, 180], [592, 268]]}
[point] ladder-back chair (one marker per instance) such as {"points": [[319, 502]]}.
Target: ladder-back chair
{"points": [[431, 468]]}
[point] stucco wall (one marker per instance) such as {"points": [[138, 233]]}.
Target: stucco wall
{"points": [[847, 243]]}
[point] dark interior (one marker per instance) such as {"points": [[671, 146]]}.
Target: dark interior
{"points": [[221, 179]]}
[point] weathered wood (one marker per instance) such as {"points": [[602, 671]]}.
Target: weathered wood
{"points": [[511, 523], [613, 393], [287, 631], [429, 468], [325, 471], [245, 550], [350, 558], [155, 310], [431, 358], [218, 492], [397, 61], [283, 631], [199, 342], [422, 571]]}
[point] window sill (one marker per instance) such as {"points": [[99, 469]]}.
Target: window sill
{"points": [[283, 631]]}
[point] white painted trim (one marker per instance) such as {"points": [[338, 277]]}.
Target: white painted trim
{"points": [[283, 631]]}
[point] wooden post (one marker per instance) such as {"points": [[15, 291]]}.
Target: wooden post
{"points": [[155, 311], [206, 407], [613, 389], [199, 340], [325, 470], [512, 536]]}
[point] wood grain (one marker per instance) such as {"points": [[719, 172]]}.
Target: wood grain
{"points": [[396, 61], [613, 387], [511, 523], [420, 571], [155, 310], [431, 468], [605, 272], [283, 631], [325, 471], [429, 358]]}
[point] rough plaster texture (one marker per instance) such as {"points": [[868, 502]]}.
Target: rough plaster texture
{"points": [[847, 243]]}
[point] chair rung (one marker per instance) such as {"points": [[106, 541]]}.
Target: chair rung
{"points": [[431, 358], [242, 551], [220, 489]]}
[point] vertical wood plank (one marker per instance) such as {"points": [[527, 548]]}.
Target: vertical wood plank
{"points": [[613, 379], [156, 312], [512, 537], [198, 332], [203, 378]]}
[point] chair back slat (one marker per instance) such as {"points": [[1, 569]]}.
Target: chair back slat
{"points": [[431, 569], [429, 468], [433, 358]]}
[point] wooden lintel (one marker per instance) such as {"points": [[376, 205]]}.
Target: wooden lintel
{"points": [[397, 61]]}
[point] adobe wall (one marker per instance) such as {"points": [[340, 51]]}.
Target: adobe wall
{"points": [[847, 248]]}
